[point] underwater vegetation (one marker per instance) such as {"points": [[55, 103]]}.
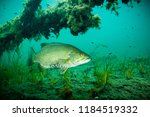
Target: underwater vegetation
{"points": [[129, 71], [66, 92], [101, 80], [126, 68], [142, 69], [130, 68], [102, 75], [73, 14], [142, 65]]}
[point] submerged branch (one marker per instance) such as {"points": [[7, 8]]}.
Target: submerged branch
{"points": [[73, 14]]}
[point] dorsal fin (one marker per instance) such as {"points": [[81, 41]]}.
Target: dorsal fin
{"points": [[44, 44], [53, 43]]}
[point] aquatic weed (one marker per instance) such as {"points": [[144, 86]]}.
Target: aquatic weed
{"points": [[93, 93], [129, 71], [85, 76], [102, 75], [106, 74], [66, 92], [66, 79], [126, 68], [141, 69], [36, 77], [98, 73]]}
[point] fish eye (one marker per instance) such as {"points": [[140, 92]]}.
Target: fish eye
{"points": [[81, 54]]}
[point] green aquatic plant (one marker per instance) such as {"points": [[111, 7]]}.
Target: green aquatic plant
{"points": [[66, 92], [102, 75], [17, 72], [126, 68], [85, 76], [93, 93], [102, 80], [66, 79], [98, 73], [129, 71], [11, 77], [18, 80], [141, 69], [36, 77], [106, 74], [142, 66], [53, 81], [5, 75], [122, 66]]}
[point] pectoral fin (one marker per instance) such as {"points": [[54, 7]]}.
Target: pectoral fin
{"points": [[63, 70]]}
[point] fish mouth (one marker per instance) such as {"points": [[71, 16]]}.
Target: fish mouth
{"points": [[81, 62], [87, 60], [84, 61]]}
